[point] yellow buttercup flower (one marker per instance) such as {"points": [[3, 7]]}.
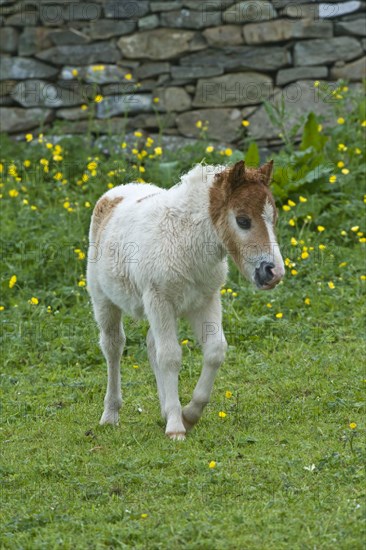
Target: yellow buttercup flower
{"points": [[156, 100], [228, 394], [209, 149], [222, 414], [27, 163], [316, 84], [92, 165], [303, 199], [291, 203], [345, 171], [74, 72], [331, 285], [279, 315], [199, 124], [363, 123], [128, 76], [340, 164], [81, 283], [307, 301], [12, 170], [332, 179], [28, 137], [286, 207], [304, 255], [322, 247], [355, 228], [320, 228], [212, 464], [13, 193], [98, 98], [158, 151], [353, 425], [292, 222], [340, 120], [84, 107], [228, 152], [33, 301], [12, 281], [245, 123]]}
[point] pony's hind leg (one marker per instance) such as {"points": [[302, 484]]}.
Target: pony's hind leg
{"points": [[112, 341]]}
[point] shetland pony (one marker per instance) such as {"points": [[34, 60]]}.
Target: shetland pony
{"points": [[162, 254]]}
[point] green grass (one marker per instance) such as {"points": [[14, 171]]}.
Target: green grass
{"points": [[289, 468]]}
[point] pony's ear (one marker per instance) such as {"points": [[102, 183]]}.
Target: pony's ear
{"points": [[236, 176], [266, 170]]}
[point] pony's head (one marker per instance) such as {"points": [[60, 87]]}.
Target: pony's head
{"points": [[244, 215]]}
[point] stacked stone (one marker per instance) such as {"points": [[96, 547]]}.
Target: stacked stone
{"points": [[213, 60]]}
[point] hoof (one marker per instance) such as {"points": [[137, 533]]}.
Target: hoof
{"points": [[109, 417], [176, 436], [188, 424]]}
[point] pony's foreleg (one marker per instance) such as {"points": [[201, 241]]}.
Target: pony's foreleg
{"points": [[162, 319], [207, 327]]}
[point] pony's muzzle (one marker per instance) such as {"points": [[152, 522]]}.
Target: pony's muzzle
{"points": [[266, 276]]}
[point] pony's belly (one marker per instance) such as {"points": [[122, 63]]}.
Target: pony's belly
{"points": [[124, 295]]}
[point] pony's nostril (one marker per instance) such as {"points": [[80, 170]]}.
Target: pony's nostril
{"points": [[264, 274], [268, 269]]}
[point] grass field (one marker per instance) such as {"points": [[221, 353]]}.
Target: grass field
{"points": [[277, 459]]}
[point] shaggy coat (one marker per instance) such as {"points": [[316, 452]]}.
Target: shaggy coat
{"points": [[162, 254]]}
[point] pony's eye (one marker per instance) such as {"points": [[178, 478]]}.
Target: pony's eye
{"points": [[244, 222]]}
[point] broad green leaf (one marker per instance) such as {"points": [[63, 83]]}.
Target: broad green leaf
{"points": [[311, 136], [252, 156]]}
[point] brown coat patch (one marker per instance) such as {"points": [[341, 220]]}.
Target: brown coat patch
{"points": [[245, 192], [101, 214]]}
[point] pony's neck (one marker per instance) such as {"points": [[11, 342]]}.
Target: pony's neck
{"points": [[191, 200]]}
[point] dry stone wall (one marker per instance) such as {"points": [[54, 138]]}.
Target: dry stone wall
{"points": [[168, 64]]}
